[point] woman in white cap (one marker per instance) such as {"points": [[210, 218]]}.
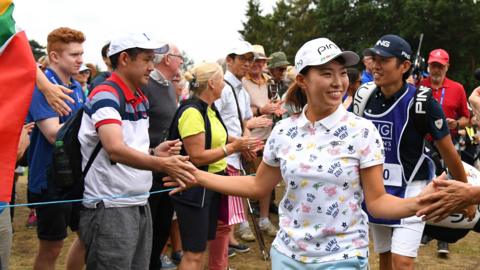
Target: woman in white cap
{"points": [[329, 158], [82, 77]]}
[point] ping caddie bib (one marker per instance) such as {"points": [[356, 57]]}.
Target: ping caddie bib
{"points": [[391, 125]]}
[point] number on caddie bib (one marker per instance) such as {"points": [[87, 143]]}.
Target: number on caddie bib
{"points": [[392, 175]]}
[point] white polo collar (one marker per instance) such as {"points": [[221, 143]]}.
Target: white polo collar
{"points": [[236, 83], [328, 122]]}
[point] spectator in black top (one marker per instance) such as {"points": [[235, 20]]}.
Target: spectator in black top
{"points": [[162, 101]]}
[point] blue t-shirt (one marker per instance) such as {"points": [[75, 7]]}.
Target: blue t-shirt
{"points": [[40, 150], [367, 77]]}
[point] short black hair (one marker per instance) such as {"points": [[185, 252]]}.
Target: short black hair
{"points": [[232, 55], [132, 52], [409, 71], [105, 50], [353, 74]]}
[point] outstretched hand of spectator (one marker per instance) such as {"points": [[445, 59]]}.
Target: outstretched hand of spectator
{"points": [[280, 110], [56, 95], [179, 169], [449, 197], [259, 122], [24, 141], [474, 100], [168, 148], [179, 186]]}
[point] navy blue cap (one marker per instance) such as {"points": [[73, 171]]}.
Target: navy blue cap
{"points": [[392, 46]]}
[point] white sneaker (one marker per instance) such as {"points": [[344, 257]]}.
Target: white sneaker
{"points": [[246, 235], [269, 229]]}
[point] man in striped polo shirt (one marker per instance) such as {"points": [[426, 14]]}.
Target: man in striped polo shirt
{"points": [[117, 230]]}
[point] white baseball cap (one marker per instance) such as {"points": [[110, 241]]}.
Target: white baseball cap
{"points": [[321, 51], [136, 40], [241, 47], [83, 67]]}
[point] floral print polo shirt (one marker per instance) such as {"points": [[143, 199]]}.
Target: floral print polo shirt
{"points": [[321, 217]]}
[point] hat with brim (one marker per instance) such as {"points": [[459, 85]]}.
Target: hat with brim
{"points": [[392, 46], [321, 51], [241, 47], [367, 52], [351, 58], [83, 67], [278, 59], [259, 52], [439, 56], [136, 40], [380, 52]]}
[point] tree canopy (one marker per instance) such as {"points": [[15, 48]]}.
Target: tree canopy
{"points": [[37, 49], [358, 24]]}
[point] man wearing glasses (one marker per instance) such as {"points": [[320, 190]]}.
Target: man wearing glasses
{"points": [[234, 104], [234, 108], [162, 106]]}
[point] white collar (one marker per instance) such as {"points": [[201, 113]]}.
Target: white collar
{"points": [[236, 83], [328, 122]]}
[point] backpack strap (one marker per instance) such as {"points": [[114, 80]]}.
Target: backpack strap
{"points": [[121, 95], [420, 109], [238, 106], [98, 147], [217, 113], [208, 126], [198, 105]]}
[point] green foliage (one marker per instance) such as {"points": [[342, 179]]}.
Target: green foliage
{"points": [[358, 24], [37, 49]]}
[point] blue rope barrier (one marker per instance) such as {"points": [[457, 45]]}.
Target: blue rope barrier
{"points": [[86, 199], [81, 200]]}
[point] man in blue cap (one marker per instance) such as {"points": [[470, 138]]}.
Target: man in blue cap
{"points": [[396, 108]]}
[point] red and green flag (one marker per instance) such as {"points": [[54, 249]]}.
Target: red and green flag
{"points": [[17, 81]]}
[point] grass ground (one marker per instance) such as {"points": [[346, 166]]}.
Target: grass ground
{"points": [[464, 255]]}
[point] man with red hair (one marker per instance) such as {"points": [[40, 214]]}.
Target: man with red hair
{"points": [[65, 50]]}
